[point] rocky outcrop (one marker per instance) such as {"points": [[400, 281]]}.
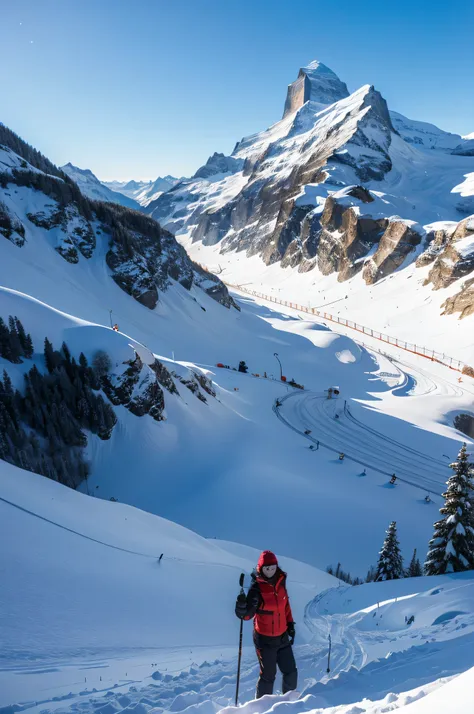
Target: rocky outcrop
{"points": [[337, 240], [11, 227], [397, 242], [315, 83], [136, 386], [462, 302], [195, 382], [465, 424], [75, 235], [437, 239], [456, 258]]}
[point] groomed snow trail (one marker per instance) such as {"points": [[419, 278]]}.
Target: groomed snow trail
{"points": [[303, 411]]}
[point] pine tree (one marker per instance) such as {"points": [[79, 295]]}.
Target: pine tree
{"points": [[21, 332], [451, 550], [414, 570], [48, 355], [83, 361], [390, 564], [28, 348], [15, 343], [66, 352]]}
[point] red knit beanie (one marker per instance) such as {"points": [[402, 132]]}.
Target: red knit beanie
{"points": [[267, 558]]}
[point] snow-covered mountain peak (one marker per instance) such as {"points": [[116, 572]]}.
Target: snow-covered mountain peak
{"points": [[93, 188], [315, 83]]}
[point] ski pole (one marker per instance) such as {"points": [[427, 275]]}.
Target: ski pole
{"points": [[241, 583], [329, 655]]}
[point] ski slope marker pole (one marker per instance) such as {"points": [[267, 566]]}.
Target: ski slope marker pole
{"points": [[329, 655], [241, 583]]}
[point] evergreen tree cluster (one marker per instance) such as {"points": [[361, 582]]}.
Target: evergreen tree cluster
{"points": [[41, 429], [451, 550], [346, 577], [14, 342], [64, 190], [12, 141]]}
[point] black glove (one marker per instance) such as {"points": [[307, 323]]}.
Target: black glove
{"points": [[291, 632], [241, 606]]}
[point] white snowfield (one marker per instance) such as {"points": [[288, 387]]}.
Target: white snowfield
{"points": [[92, 621]]}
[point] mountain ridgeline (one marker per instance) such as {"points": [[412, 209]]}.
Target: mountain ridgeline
{"points": [[339, 184], [143, 258]]}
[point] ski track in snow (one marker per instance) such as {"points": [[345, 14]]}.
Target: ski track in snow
{"points": [[371, 449]]}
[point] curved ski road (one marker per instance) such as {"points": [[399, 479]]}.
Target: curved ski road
{"points": [[362, 444]]}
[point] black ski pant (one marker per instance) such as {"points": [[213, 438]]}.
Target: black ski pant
{"points": [[273, 652]]}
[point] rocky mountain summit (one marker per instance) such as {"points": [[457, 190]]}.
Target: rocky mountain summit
{"points": [[339, 184], [315, 83]]}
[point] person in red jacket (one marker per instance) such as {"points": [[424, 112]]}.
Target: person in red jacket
{"points": [[267, 603]]}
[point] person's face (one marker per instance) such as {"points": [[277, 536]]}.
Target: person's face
{"points": [[269, 570]]}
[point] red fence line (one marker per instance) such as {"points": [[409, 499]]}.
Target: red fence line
{"points": [[430, 354]]}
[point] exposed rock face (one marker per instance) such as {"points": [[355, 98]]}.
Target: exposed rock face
{"points": [[136, 386], [338, 239], [436, 240], [75, 235], [465, 423], [397, 242], [456, 258], [10, 226], [195, 382], [316, 83], [265, 218], [462, 302], [302, 197]]}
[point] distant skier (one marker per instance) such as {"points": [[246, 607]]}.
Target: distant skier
{"points": [[307, 431], [268, 604], [243, 367], [278, 403], [364, 472], [427, 498], [393, 479], [159, 559], [341, 456]]}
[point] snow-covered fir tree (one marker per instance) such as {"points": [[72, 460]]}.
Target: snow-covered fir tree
{"points": [[414, 570], [451, 549], [390, 564]]}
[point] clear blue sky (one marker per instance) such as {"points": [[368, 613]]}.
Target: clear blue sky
{"points": [[137, 88]]}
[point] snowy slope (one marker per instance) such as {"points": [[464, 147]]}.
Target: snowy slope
{"points": [[201, 444], [93, 620], [93, 188], [91, 585], [90, 621], [186, 467], [425, 135]]}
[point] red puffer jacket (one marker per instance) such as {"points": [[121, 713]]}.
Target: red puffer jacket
{"points": [[268, 603]]}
